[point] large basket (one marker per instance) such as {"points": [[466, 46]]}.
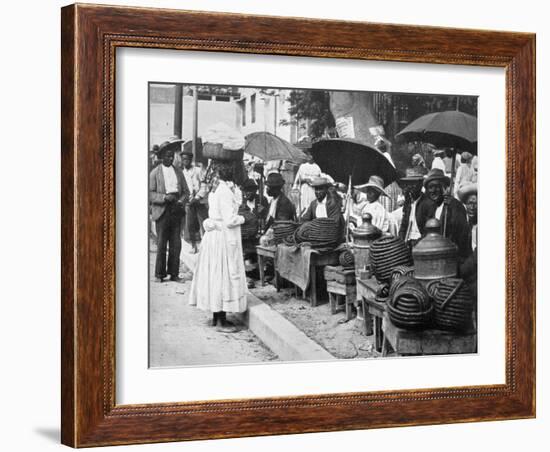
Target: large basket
{"points": [[216, 151]]}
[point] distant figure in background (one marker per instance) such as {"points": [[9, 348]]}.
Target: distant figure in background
{"points": [[448, 160], [305, 175], [392, 190], [168, 194], [219, 280], [381, 218], [280, 207], [418, 161], [437, 162], [191, 228], [465, 173]]}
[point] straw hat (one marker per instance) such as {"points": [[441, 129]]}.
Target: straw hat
{"points": [[465, 191], [375, 182], [320, 182]]}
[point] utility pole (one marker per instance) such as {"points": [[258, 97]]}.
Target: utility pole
{"points": [[178, 110], [195, 122]]}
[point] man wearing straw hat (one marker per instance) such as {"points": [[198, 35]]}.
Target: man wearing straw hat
{"points": [[168, 194], [437, 203], [326, 204], [381, 218], [406, 217]]}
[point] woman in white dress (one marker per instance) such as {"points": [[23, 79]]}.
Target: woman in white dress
{"points": [[219, 280], [305, 175]]}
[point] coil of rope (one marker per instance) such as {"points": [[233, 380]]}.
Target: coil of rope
{"points": [[453, 304]]}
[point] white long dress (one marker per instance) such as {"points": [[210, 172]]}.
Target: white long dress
{"points": [[219, 281]]}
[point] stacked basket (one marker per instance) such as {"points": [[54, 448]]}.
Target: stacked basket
{"points": [[453, 304], [409, 305], [320, 233], [386, 254], [283, 229]]}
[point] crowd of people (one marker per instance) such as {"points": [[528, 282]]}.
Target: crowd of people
{"points": [[227, 217]]}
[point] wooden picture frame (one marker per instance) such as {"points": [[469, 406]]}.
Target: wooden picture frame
{"points": [[90, 36]]}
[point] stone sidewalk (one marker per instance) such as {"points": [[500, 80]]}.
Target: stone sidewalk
{"points": [[179, 334]]}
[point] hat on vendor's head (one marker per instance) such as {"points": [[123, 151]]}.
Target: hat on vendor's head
{"points": [[465, 191], [466, 157], [274, 180], [436, 174], [320, 182], [375, 182], [170, 145], [250, 185], [436, 151], [414, 174]]}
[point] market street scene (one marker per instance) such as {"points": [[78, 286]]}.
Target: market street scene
{"points": [[310, 225]]}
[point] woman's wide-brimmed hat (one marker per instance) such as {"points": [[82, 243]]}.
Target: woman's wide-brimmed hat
{"points": [[436, 174], [375, 182], [465, 191], [275, 180], [320, 182], [414, 174], [250, 185]]}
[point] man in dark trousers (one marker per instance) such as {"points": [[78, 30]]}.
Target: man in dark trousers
{"points": [[280, 207], [168, 194], [438, 203]]}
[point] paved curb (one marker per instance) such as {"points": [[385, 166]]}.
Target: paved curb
{"points": [[280, 335]]}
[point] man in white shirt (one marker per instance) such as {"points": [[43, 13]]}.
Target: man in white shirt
{"points": [[168, 194], [321, 207], [191, 227], [406, 216]]}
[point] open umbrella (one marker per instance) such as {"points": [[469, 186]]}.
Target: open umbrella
{"points": [[453, 129], [267, 146], [342, 158]]}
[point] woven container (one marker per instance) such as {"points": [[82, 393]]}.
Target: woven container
{"points": [[320, 233], [216, 151], [346, 259], [283, 229], [386, 254], [409, 304], [453, 304]]}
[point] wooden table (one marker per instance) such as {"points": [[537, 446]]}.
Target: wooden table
{"points": [[426, 342], [264, 252], [318, 261], [373, 311]]}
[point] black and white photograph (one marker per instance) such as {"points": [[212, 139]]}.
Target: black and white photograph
{"points": [[291, 224]]}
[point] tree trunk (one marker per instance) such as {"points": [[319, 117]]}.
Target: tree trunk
{"points": [[354, 115]]}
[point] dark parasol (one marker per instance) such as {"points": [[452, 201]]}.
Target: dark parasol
{"points": [[341, 158]]}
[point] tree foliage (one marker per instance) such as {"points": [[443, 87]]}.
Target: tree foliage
{"points": [[313, 105]]}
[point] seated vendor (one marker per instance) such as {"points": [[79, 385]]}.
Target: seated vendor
{"points": [[327, 203], [280, 207], [381, 218], [254, 210]]}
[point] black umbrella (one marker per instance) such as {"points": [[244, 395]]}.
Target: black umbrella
{"points": [[453, 129], [341, 158]]}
